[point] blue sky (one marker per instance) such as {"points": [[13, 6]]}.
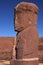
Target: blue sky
{"points": [[7, 17]]}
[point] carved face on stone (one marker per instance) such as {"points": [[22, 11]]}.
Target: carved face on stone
{"points": [[25, 17]]}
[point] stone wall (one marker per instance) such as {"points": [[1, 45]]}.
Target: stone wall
{"points": [[40, 49], [6, 47]]}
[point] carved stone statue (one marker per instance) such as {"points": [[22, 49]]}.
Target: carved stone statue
{"points": [[27, 35]]}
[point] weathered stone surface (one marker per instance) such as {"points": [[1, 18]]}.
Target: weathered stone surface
{"points": [[25, 15], [27, 35], [41, 56], [40, 47], [7, 55], [27, 43], [25, 25], [14, 50], [6, 47], [16, 62]]}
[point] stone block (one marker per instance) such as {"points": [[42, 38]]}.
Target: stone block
{"points": [[27, 43], [17, 62], [40, 48], [27, 35], [25, 15]]}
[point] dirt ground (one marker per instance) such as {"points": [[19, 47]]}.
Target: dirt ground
{"points": [[41, 64], [4, 62]]}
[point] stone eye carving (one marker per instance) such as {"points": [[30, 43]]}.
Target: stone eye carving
{"points": [[35, 12], [30, 10], [17, 11]]}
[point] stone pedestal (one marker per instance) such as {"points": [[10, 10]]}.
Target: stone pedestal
{"points": [[27, 35], [24, 62]]}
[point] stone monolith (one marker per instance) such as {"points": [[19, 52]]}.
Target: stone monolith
{"points": [[27, 34]]}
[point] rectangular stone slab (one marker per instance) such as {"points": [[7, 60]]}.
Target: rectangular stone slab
{"points": [[16, 62]]}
